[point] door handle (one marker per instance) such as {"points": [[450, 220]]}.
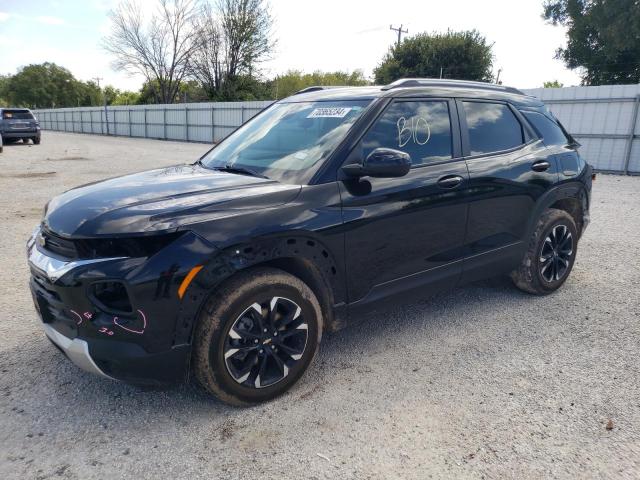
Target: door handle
{"points": [[450, 181], [540, 166]]}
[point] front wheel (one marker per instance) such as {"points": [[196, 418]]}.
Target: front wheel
{"points": [[256, 336], [550, 256], [36, 140]]}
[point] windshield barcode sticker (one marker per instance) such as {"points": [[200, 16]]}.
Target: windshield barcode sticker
{"points": [[329, 112]]}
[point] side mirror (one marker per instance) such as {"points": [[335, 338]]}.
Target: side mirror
{"points": [[381, 163]]}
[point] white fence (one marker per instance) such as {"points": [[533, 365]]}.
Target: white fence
{"points": [[191, 122], [603, 119]]}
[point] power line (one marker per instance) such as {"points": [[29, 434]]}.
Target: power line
{"points": [[400, 32]]}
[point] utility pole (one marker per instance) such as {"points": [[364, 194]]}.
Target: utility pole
{"points": [[498, 76], [400, 32], [104, 97]]}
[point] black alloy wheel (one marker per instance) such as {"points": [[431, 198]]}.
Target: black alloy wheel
{"points": [[550, 255], [556, 253], [256, 336], [265, 342]]}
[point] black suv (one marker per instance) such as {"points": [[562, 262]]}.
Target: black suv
{"points": [[19, 124], [327, 204]]}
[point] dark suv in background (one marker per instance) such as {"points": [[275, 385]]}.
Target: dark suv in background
{"points": [[19, 124], [328, 204]]}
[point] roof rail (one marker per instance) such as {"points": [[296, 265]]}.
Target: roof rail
{"points": [[439, 82], [315, 88]]}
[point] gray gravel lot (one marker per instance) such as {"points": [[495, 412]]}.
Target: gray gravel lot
{"points": [[483, 382]]}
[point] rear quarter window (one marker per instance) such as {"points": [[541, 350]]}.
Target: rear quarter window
{"points": [[547, 128]]}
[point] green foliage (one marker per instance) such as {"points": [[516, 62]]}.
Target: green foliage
{"points": [[243, 88], [461, 55], [120, 97], [126, 97], [191, 91], [294, 80], [47, 85], [553, 84], [188, 91], [4, 90], [603, 38]]}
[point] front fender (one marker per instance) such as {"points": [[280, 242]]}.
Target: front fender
{"points": [[226, 262]]}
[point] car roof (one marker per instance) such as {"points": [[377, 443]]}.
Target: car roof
{"points": [[416, 87]]}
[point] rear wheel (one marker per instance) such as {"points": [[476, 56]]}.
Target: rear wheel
{"points": [[551, 254], [25, 141], [256, 336]]}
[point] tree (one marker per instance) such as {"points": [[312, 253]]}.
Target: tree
{"points": [[294, 80], [460, 55], [603, 38], [49, 85], [159, 49], [552, 84], [234, 36], [4, 90], [127, 97], [115, 96], [89, 93], [192, 91]]}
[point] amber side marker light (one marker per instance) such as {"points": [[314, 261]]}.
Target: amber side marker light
{"points": [[187, 280]]}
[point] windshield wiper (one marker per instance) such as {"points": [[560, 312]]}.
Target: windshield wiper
{"points": [[240, 170]]}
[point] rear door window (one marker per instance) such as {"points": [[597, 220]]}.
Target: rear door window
{"points": [[420, 128], [492, 127]]}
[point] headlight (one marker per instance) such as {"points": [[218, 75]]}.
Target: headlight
{"points": [[32, 239], [125, 247]]}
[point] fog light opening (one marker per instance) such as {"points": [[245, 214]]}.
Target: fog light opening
{"points": [[111, 296]]}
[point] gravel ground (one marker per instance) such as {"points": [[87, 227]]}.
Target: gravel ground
{"points": [[483, 382]]}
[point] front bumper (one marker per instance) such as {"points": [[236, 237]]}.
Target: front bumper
{"points": [[75, 349], [144, 346]]}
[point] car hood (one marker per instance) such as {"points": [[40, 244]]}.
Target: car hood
{"points": [[162, 199]]}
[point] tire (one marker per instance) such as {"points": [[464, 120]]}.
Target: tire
{"points": [[36, 140], [25, 141], [234, 359], [550, 255]]}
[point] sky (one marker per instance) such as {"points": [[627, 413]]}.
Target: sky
{"points": [[327, 35]]}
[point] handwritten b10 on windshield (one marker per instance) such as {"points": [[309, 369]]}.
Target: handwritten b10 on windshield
{"points": [[416, 130]]}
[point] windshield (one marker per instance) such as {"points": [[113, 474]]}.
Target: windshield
{"points": [[287, 142]]}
